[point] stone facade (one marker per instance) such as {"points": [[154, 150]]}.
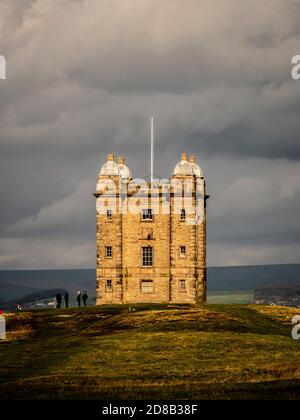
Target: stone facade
{"points": [[151, 239]]}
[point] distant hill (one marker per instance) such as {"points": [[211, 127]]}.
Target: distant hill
{"points": [[279, 295], [251, 277], [15, 284], [10, 290], [32, 298]]}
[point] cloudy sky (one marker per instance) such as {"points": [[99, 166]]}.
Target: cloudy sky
{"points": [[83, 79]]}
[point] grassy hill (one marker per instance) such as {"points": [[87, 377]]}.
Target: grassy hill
{"points": [[156, 352]]}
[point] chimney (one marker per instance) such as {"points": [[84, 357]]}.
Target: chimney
{"points": [[121, 160], [111, 157], [183, 156], [192, 159]]}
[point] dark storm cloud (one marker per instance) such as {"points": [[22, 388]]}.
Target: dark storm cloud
{"points": [[85, 76]]}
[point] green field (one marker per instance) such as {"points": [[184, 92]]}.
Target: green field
{"points": [[238, 297], [156, 352]]}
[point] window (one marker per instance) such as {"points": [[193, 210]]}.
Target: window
{"points": [[182, 214], [147, 214], [182, 251], [108, 251], [147, 286], [182, 286], [109, 215], [147, 256], [108, 285]]}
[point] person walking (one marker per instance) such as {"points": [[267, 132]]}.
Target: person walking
{"points": [[84, 298], [66, 297], [79, 298], [58, 300]]}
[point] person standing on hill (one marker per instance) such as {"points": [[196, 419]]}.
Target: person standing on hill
{"points": [[79, 298], [66, 297], [84, 298], [58, 300]]}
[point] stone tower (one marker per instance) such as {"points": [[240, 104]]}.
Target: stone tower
{"points": [[151, 238]]}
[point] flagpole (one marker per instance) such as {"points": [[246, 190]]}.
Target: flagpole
{"points": [[152, 150]]}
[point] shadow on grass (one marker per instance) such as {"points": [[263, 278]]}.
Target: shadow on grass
{"points": [[90, 389]]}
